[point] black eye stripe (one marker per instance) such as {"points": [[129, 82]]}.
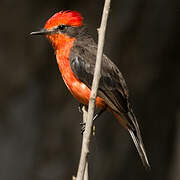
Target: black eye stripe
{"points": [[61, 27]]}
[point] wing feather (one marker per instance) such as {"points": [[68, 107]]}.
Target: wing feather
{"points": [[112, 86]]}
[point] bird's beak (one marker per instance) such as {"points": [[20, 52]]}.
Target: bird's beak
{"points": [[41, 32]]}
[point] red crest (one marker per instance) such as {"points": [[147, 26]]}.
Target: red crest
{"points": [[71, 18]]}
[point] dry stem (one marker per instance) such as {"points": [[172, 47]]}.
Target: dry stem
{"points": [[95, 84]]}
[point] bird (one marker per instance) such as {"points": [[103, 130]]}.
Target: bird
{"points": [[75, 51]]}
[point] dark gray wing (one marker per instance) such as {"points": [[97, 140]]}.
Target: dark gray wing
{"points": [[112, 86]]}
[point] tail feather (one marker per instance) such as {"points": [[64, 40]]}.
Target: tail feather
{"points": [[129, 122], [137, 139], [140, 148]]}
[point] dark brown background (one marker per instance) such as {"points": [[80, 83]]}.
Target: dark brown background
{"points": [[39, 121]]}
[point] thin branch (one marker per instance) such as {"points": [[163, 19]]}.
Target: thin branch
{"points": [[86, 174], [85, 114], [95, 84]]}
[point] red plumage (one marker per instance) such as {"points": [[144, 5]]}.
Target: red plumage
{"points": [[71, 18], [76, 55]]}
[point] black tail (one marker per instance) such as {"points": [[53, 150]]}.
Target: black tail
{"points": [[140, 148], [129, 122], [136, 136]]}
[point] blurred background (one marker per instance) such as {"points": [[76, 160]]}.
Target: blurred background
{"points": [[39, 120]]}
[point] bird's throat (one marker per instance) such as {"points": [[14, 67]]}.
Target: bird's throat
{"points": [[61, 43], [79, 90]]}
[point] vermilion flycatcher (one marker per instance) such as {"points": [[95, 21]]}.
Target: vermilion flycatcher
{"points": [[76, 52]]}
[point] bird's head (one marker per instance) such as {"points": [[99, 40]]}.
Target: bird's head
{"points": [[62, 26]]}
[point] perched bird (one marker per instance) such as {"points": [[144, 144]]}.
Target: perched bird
{"points": [[76, 52]]}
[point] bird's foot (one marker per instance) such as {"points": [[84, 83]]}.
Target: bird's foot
{"points": [[98, 114], [83, 126], [80, 108]]}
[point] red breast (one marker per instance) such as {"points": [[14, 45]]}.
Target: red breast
{"points": [[62, 45]]}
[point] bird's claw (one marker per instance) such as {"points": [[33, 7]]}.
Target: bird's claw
{"points": [[80, 108], [98, 114], [83, 126]]}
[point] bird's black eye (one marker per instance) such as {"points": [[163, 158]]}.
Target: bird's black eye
{"points": [[61, 27]]}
